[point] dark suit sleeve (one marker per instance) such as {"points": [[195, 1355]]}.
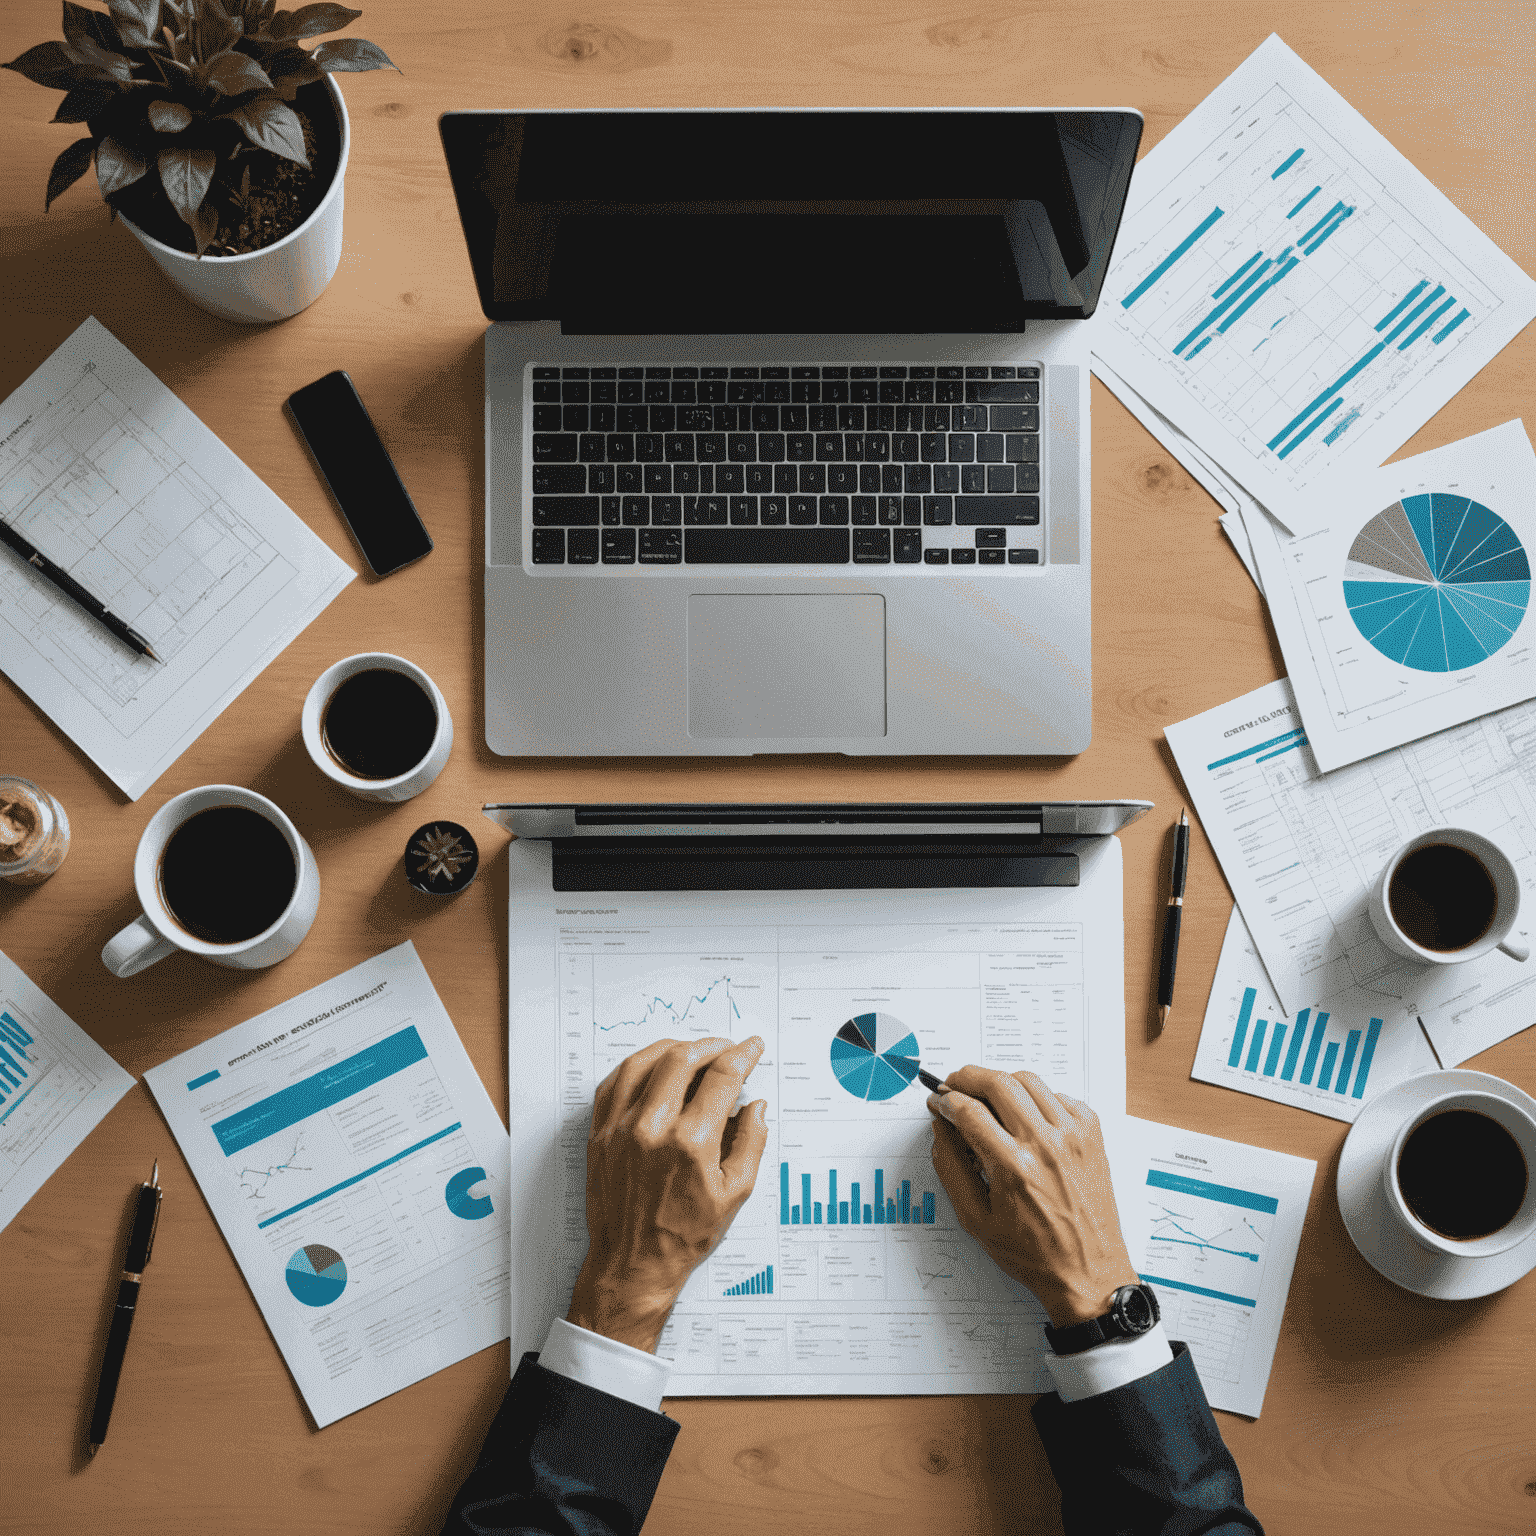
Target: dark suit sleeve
{"points": [[563, 1457], [1144, 1460]]}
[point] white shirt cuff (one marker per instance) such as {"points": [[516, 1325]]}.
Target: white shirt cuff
{"points": [[1111, 1364], [618, 1369]]}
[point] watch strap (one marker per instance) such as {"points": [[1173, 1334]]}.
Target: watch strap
{"points": [[1076, 1337]]}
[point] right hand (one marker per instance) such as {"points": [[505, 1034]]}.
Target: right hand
{"points": [[1029, 1180]]}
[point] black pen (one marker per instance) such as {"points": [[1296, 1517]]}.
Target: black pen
{"points": [[1172, 920], [135, 1262], [74, 591]]}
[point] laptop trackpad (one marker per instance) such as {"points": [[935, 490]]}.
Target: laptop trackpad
{"points": [[771, 665]]}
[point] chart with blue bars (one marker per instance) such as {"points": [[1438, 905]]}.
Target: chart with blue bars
{"points": [[857, 1202], [1344, 1066], [760, 1284]]}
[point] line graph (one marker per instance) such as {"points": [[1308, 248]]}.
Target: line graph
{"points": [[253, 1190], [659, 1006], [1192, 1239]]}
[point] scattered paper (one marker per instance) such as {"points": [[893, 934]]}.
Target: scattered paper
{"points": [[359, 1173], [1236, 530], [56, 1086], [107, 473]]}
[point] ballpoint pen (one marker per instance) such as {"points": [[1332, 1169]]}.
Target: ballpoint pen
{"points": [[74, 591], [1171, 922], [135, 1261]]}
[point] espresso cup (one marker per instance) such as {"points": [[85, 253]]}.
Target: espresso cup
{"points": [[404, 742], [160, 931], [1396, 927], [1521, 1221]]}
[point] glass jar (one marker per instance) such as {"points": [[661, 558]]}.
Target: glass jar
{"points": [[34, 832]]}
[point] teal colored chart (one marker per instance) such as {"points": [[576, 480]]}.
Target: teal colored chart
{"points": [[1437, 582], [465, 1206], [874, 1056], [316, 1275]]}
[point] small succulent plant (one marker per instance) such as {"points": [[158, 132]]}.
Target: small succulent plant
{"points": [[200, 90]]}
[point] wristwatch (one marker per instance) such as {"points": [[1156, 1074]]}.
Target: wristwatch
{"points": [[1133, 1311]]}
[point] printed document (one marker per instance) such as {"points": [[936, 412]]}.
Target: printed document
{"points": [[358, 1171], [846, 1271], [56, 1086], [107, 473], [1408, 612], [1292, 293], [1302, 850]]}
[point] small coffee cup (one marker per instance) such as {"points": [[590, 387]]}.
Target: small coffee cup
{"points": [[378, 726], [207, 896], [1447, 896], [1490, 1174]]}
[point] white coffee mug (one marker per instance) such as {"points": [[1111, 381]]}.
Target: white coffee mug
{"points": [[403, 786], [1506, 883], [1519, 1124], [156, 933]]}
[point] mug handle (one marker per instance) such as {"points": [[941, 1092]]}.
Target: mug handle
{"points": [[1516, 949], [137, 947]]}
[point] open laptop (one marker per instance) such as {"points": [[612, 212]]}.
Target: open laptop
{"points": [[787, 425]]}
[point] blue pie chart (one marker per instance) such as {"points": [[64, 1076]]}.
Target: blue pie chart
{"points": [[316, 1275], [1437, 582], [465, 1206], [874, 1056]]}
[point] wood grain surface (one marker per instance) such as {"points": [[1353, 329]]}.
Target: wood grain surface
{"points": [[1386, 1413]]}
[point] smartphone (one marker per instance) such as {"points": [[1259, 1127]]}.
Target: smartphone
{"points": [[361, 476]]}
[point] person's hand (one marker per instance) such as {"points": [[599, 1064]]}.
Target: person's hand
{"points": [[1033, 1190], [668, 1167]]}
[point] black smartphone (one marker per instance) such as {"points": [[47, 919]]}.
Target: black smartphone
{"points": [[360, 473]]}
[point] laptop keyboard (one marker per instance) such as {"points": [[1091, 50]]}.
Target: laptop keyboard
{"points": [[920, 465]]}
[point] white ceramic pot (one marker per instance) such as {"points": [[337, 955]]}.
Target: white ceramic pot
{"points": [[278, 280]]}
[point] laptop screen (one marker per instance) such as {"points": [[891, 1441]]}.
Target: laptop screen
{"points": [[769, 221]]}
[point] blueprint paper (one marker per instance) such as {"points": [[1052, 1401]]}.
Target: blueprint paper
{"points": [[1331, 1058], [358, 1171], [56, 1086], [1407, 612], [1291, 293], [106, 472], [1301, 851]]}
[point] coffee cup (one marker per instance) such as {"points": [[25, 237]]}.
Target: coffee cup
{"points": [[220, 872], [1459, 1176], [1446, 896], [378, 726]]}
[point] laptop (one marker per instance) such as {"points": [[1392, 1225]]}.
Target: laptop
{"points": [[787, 438], [861, 941]]}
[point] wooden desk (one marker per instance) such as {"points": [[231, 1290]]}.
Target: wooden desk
{"points": [[1385, 1413]]}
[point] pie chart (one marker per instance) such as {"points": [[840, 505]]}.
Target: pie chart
{"points": [[1437, 582], [874, 1056], [316, 1275], [461, 1202]]}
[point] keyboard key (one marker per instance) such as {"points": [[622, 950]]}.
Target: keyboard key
{"points": [[666, 510], [629, 393], [877, 447], [792, 418], [1003, 373], [620, 447], [657, 391], [786, 479], [962, 557], [590, 447], [989, 448], [919, 479], [663, 419], [850, 418], [992, 556], [636, 511], [695, 419], [1001, 393], [546, 418], [759, 478], [685, 477], [1014, 418], [546, 393], [813, 478], [661, 546], [573, 418], [801, 448], [949, 392], [559, 479], [891, 392], [909, 546], [920, 391], [658, 478], [974, 372], [973, 479], [938, 511], [554, 447], [701, 510], [829, 446], [766, 546], [932, 447], [743, 511], [946, 479], [1021, 448], [971, 418], [741, 448], [1023, 557], [564, 511], [991, 538], [678, 445], [610, 511], [632, 418], [802, 509], [823, 418], [834, 511], [630, 477], [889, 511], [860, 391], [604, 419], [962, 448], [773, 511], [549, 546], [545, 372], [999, 479], [935, 557], [871, 546], [710, 447], [618, 546], [581, 546], [1013, 511], [912, 511], [904, 448], [863, 513], [684, 392], [765, 418], [573, 393], [1028, 477], [730, 477], [599, 479], [770, 447], [842, 478], [648, 447]]}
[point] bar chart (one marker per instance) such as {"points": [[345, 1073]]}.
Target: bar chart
{"points": [[902, 1206], [1332, 1073], [760, 1284]]}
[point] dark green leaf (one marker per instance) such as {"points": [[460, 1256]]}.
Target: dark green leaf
{"points": [[312, 20], [83, 103], [292, 63], [98, 63], [168, 116], [137, 21], [269, 124], [48, 64], [350, 53], [205, 225], [185, 174], [68, 169], [235, 73], [78, 20], [117, 166], [216, 28]]}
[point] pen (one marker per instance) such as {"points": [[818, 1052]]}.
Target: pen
{"points": [[1171, 922], [135, 1262], [74, 591]]}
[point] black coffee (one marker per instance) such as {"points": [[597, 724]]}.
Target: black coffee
{"points": [[379, 724], [1442, 897], [227, 874], [1462, 1174]]}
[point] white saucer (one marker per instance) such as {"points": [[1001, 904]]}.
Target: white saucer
{"points": [[1383, 1241]]}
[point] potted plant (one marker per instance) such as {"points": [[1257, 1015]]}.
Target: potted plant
{"points": [[220, 139]]}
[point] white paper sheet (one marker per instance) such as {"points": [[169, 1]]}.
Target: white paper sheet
{"points": [[1408, 612], [1236, 530], [106, 472], [1008, 978], [1301, 851], [1331, 1058], [358, 1171], [1214, 1229], [1292, 293], [56, 1086]]}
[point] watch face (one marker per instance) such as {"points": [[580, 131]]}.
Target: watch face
{"points": [[1134, 1308]]}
